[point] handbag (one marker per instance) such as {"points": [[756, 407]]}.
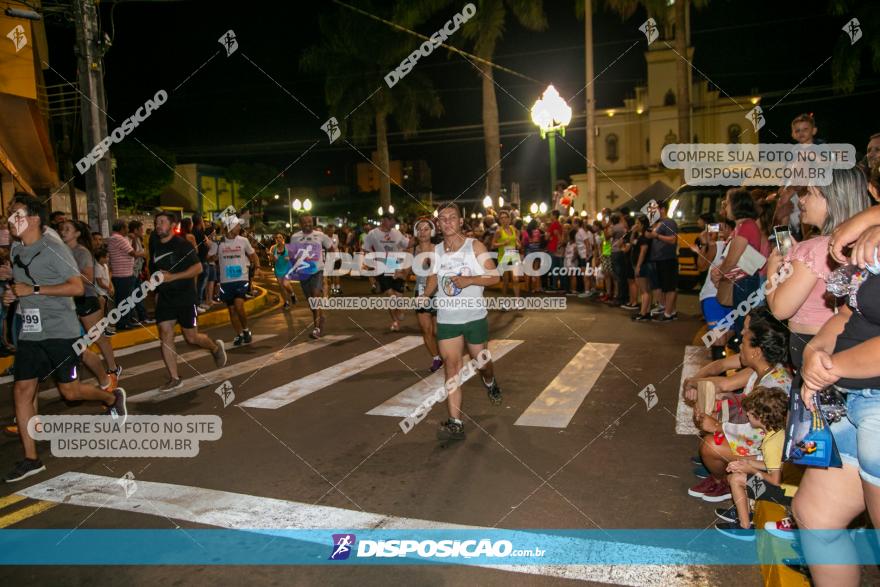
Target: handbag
{"points": [[808, 438]]}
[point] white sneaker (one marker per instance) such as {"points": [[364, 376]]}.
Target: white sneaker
{"points": [[656, 310], [200, 310]]}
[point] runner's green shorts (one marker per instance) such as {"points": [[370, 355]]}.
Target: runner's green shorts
{"points": [[475, 332]]}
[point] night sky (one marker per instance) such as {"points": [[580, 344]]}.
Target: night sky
{"points": [[230, 111]]}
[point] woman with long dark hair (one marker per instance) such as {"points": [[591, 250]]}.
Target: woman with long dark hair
{"points": [[77, 236]]}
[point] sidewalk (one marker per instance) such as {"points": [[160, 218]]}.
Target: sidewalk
{"points": [[217, 316]]}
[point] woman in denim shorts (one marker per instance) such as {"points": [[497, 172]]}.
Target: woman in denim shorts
{"points": [[843, 357]]}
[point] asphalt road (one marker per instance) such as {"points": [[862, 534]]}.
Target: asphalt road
{"points": [[601, 462]]}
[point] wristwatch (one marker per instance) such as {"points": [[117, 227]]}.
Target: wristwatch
{"points": [[36, 290]]}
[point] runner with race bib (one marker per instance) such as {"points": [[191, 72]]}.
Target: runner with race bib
{"points": [[306, 254], [386, 242], [462, 268], [236, 255]]}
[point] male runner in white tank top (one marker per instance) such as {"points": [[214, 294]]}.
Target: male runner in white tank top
{"points": [[462, 268]]}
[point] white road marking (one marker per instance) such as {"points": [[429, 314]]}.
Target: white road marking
{"points": [[240, 511], [219, 375], [694, 358], [560, 400], [155, 365], [299, 388], [404, 403]]}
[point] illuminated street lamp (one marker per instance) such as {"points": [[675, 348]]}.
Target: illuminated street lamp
{"points": [[542, 208], [307, 205], [276, 196], [533, 208], [487, 202], [297, 205], [500, 202], [391, 208], [380, 210], [551, 114]]}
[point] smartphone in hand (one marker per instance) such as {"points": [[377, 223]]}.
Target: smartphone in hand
{"points": [[783, 239]]}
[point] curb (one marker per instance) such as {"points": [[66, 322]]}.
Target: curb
{"points": [[128, 338]]}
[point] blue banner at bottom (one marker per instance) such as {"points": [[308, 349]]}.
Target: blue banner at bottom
{"points": [[431, 546]]}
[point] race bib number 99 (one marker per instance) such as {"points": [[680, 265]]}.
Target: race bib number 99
{"points": [[31, 321]]}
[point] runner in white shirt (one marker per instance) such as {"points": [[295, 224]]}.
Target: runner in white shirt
{"points": [[306, 253], [386, 241], [458, 275], [236, 255]]}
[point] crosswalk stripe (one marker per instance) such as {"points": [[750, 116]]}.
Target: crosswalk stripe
{"points": [[10, 500], [239, 511], [151, 366], [557, 404], [299, 388], [26, 512], [694, 358], [404, 403], [219, 375]]}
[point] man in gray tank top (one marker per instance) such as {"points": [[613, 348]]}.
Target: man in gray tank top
{"points": [[462, 269]]}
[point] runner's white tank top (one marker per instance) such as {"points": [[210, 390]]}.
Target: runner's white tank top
{"points": [[448, 265]]}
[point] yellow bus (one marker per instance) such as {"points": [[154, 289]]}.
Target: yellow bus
{"points": [[686, 204]]}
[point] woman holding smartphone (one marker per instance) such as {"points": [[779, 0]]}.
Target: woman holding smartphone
{"points": [[802, 298]]}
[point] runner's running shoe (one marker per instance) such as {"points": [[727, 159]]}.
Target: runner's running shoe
{"points": [[220, 354], [494, 392], [248, 337], [435, 364], [24, 469], [450, 430], [118, 409], [238, 340], [172, 385]]}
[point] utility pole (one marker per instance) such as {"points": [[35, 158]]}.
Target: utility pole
{"points": [[592, 197], [90, 68]]}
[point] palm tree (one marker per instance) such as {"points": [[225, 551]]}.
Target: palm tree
{"points": [[484, 30], [846, 64], [354, 55]]}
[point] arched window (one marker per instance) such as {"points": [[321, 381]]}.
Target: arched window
{"points": [[733, 132], [669, 98], [611, 148]]}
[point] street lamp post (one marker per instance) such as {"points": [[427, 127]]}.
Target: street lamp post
{"points": [[551, 114], [289, 209]]}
